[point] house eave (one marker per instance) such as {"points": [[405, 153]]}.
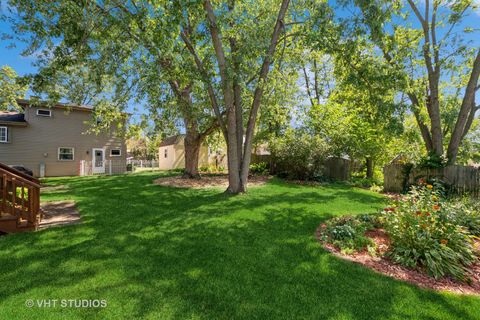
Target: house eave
{"points": [[13, 123], [66, 106]]}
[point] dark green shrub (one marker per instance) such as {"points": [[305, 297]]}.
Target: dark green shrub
{"points": [[299, 156], [432, 160]]}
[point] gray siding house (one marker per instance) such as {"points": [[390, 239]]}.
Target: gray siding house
{"points": [[53, 141]]}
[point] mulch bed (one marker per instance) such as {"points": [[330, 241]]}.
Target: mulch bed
{"points": [[58, 213], [207, 181], [387, 267]]}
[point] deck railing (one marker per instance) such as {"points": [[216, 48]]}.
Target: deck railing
{"points": [[19, 196]]}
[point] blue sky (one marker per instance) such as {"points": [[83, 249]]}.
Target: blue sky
{"points": [[24, 65]]}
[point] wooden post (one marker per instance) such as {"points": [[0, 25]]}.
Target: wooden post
{"points": [[14, 196], [4, 196]]}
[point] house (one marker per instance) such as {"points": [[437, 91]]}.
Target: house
{"points": [[171, 153], [52, 141]]}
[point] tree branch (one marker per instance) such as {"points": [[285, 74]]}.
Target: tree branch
{"points": [[203, 71], [257, 96], [307, 85]]}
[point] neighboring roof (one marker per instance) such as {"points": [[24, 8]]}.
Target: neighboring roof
{"points": [[27, 103], [172, 140], [12, 117], [399, 159]]}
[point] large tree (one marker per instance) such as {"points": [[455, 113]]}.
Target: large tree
{"points": [[427, 44], [243, 56], [115, 51], [213, 58]]}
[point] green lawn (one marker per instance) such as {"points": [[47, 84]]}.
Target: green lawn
{"points": [[163, 253]]}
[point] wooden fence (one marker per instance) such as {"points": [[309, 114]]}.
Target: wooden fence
{"points": [[335, 168], [458, 179]]}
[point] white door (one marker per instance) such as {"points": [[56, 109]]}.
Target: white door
{"points": [[98, 161]]}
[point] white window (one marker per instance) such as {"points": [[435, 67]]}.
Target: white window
{"points": [[3, 134], [165, 153], [44, 113], [115, 153], [65, 153]]}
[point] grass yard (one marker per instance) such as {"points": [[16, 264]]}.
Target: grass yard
{"points": [[162, 253]]}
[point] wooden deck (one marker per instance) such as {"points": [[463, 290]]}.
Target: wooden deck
{"points": [[19, 201]]}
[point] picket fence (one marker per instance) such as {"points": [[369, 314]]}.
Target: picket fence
{"points": [[111, 167]]}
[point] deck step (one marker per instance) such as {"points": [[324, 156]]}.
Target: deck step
{"points": [[10, 224], [7, 217]]}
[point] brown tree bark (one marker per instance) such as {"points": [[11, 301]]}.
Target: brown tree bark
{"points": [[192, 153], [194, 137], [369, 165]]}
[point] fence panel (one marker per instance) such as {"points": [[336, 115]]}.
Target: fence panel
{"points": [[459, 179], [153, 164], [394, 178], [337, 169], [116, 166]]}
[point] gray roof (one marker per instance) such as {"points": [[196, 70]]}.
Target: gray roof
{"points": [[11, 116], [172, 140], [26, 103]]}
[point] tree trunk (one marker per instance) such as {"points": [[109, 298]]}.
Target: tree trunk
{"points": [[192, 153], [238, 151], [257, 96], [436, 129], [467, 106], [234, 162], [369, 165]]}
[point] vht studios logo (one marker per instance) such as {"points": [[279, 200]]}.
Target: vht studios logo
{"points": [[66, 303]]}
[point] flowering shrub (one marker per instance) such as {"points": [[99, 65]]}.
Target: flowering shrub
{"points": [[425, 231]]}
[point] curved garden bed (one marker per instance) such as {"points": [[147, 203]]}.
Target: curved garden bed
{"points": [[424, 238], [379, 262]]}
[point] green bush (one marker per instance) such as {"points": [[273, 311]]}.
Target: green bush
{"points": [[299, 156], [466, 213], [432, 160], [209, 169], [425, 232], [361, 182], [347, 233], [260, 169]]}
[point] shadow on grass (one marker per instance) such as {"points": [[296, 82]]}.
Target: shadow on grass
{"points": [[158, 252]]}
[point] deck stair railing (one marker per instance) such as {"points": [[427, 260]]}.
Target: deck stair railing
{"points": [[19, 201]]}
